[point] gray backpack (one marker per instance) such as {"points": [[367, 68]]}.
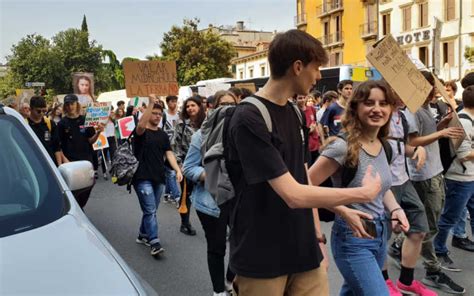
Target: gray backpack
{"points": [[124, 164], [213, 130]]}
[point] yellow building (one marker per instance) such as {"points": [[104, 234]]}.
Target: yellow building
{"points": [[346, 28]]}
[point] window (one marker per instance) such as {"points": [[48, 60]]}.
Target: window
{"points": [[337, 58], [423, 14], [251, 72], [241, 74], [406, 14], [326, 33], [31, 196], [448, 53], [423, 55], [450, 13], [262, 70], [338, 35], [386, 24], [332, 59]]}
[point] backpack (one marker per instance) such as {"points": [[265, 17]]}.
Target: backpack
{"points": [[445, 151], [348, 174], [213, 147], [124, 164]]}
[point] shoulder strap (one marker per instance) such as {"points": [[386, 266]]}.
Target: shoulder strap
{"points": [[48, 122], [263, 110], [465, 116], [406, 128], [298, 113], [388, 150]]}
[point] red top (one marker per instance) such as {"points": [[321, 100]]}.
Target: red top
{"points": [[313, 137]]}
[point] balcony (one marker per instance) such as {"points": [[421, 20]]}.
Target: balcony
{"points": [[300, 20], [332, 40], [328, 7], [368, 30]]}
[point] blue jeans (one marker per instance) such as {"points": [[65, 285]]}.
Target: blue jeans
{"points": [[172, 187], [459, 195], [149, 195], [460, 229], [359, 260]]}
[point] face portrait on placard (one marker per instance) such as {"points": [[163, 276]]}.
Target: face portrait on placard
{"points": [[83, 84]]}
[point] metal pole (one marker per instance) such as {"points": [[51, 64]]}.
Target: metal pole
{"points": [[459, 41]]}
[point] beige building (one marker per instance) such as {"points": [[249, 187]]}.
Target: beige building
{"points": [[244, 40], [253, 65]]}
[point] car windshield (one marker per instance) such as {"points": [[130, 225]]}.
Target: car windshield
{"points": [[30, 195]]}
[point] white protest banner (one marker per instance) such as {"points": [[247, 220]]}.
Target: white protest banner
{"points": [[101, 142], [97, 113], [211, 88], [402, 75], [126, 126]]}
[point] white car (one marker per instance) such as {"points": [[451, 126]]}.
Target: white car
{"points": [[47, 244]]}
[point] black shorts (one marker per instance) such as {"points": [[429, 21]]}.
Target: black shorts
{"points": [[410, 202]]}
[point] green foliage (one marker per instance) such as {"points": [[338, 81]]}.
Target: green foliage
{"points": [[469, 53], [198, 55], [7, 86], [84, 27]]}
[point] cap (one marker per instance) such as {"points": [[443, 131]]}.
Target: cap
{"points": [[71, 98]]}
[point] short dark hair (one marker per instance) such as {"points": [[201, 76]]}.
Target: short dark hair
{"points": [[468, 80], [246, 93], [329, 96], [119, 103], [171, 98], [429, 76], [291, 46], [468, 97], [343, 83], [158, 106], [37, 102], [236, 91], [452, 84], [316, 94]]}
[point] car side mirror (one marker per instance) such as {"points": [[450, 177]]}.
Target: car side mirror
{"points": [[77, 174]]}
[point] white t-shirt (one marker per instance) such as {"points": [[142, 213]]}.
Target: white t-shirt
{"points": [[172, 119], [109, 129], [319, 114]]}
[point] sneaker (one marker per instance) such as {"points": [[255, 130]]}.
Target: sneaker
{"points": [[463, 243], [156, 249], [166, 198], [416, 288], [447, 263], [187, 229], [96, 175], [443, 282], [392, 289], [105, 176], [142, 241]]}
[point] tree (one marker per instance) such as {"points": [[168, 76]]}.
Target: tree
{"points": [[84, 27], [469, 54], [198, 55], [110, 74], [35, 59]]}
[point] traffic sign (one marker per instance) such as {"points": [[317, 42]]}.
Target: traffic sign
{"points": [[30, 84]]}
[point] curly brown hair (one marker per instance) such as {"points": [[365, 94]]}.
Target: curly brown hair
{"points": [[351, 123]]}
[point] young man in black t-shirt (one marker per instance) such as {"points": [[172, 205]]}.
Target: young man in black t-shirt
{"points": [[44, 128], [151, 147], [275, 248]]}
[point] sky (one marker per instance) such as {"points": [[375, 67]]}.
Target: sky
{"points": [[134, 28]]}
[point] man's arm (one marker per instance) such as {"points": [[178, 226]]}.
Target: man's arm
{"points": [[142, 123], [451, 132], [174, 164]]}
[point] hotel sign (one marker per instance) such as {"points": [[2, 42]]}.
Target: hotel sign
{"points": [[424, 35]]}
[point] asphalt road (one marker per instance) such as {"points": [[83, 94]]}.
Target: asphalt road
{"points": [[182, 270]]}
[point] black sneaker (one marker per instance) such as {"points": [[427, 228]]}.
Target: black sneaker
{"points": [[156, 249], [463, 243], [187, 229], [142, 241], [443, 282], [166, 198], [447, 263]]}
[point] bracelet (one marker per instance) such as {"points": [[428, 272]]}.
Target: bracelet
{"points": [[393, 211]]}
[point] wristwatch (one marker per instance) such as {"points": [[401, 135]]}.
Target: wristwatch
{"points": [[322, 239]]}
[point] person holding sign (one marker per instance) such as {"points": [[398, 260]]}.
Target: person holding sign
{"points": [[75, 140], [152, 146], [429, 182]]}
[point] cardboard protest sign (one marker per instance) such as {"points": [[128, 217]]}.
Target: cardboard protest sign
{"points": [[249, 86], [138, 101], [455, 122], [126, 126], [101, 142], [143, 78], [211, 88], [97, 113], [402, 75]]}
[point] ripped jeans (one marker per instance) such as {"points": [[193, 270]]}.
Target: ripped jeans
{"points": [[149, 195]]}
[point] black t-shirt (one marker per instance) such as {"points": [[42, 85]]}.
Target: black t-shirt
{"points": [[150, 149], [47, 137], [268, 239], [74, 138]]}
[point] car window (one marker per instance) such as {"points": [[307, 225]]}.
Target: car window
{"points": [[30, 195]]}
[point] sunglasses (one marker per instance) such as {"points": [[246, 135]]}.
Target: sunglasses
{"points": [[40, 110]]}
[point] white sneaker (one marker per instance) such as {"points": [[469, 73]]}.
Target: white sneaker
{"points": [[221, 294], [228, 286]]}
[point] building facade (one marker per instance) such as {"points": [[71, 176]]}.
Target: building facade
{"points": [[254, 65], [436, 32], [346, 28]]}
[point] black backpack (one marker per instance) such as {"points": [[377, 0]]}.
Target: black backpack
{"points": [[348, 174], [445, 151]]}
